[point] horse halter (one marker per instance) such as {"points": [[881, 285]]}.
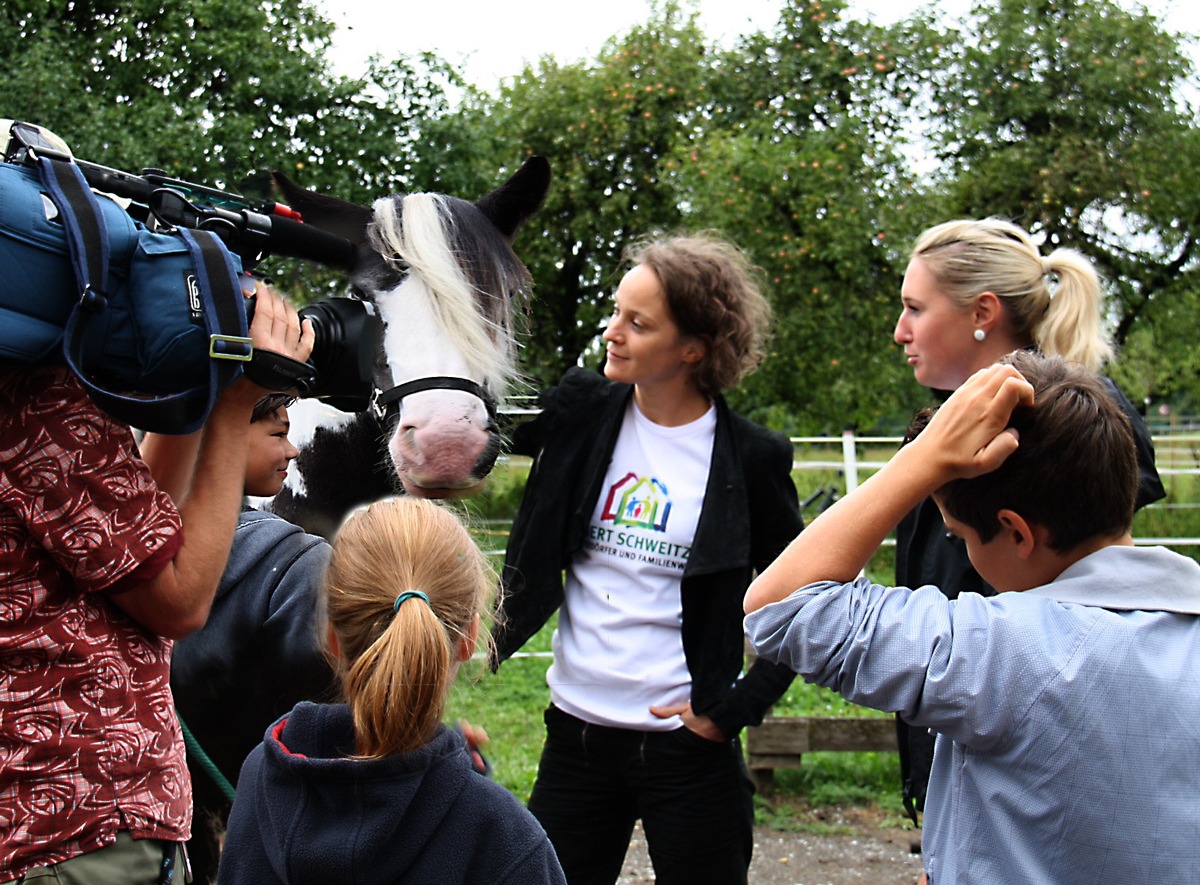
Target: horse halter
{"points": [[387, 402]]}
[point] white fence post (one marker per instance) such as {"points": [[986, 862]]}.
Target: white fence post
{"points": [[850, 460]]}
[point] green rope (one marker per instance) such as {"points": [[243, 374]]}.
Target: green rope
{"points": [[197, 752]]}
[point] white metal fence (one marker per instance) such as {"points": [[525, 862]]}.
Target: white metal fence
{"points": [[1175, 454]]}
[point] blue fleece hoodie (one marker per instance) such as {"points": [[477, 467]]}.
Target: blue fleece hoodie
{"points": [[308, 813]]}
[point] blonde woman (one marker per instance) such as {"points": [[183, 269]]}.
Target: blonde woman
{"points": [[377, 790], [974, 291]]}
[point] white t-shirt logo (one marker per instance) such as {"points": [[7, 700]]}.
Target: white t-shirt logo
{"points": [[633, 501]]}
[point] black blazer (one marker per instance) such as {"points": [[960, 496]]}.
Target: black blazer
{"points": [[749, 514]]}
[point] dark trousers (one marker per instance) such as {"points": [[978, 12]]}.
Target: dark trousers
{"points": [[693, 796]]}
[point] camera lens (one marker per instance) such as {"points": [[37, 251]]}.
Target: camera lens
{"points": [[345, 330]]}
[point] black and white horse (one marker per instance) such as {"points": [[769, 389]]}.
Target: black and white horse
{"points": [[445, 283]]}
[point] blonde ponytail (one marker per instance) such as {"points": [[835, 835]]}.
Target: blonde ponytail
{"points": [[1071, 327], [399, 652]]}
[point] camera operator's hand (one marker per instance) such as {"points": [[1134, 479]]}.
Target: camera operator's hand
{"points": [[277, 329]]}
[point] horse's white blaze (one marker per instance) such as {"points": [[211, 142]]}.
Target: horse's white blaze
{"points": [[414, 339], [419, 239], [432, 327], [441, 433]]}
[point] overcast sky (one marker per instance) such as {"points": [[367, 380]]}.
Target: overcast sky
{"points": [[494, 40]]}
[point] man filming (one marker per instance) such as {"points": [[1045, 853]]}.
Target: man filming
{"points": [[104, 560]]}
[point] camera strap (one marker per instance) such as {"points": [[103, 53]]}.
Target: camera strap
{"points": [[216, 289], [274, 371]]}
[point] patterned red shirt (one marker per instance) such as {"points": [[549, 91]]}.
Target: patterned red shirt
{"points": [[89, 743]]}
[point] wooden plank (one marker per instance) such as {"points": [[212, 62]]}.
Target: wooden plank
{"points": [[782, 741], [759, 761], [857, 735]]}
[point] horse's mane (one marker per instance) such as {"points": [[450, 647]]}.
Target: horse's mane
{"points": [[468, 269]]}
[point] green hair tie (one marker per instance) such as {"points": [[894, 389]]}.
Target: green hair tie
{"points": [[408, 594]]}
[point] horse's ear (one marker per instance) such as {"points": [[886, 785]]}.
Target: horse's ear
{"points": [[514, 202], [348, 220]]}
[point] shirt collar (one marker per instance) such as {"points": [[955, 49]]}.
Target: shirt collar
{"points": [[1125, 578]]}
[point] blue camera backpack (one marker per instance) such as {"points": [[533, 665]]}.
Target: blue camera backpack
{"points": [[153, 322]]}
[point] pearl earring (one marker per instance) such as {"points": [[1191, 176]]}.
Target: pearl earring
{"points": [[980, 334]]}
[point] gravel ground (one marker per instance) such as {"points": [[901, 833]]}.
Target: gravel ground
{"points": [[862, 853]]}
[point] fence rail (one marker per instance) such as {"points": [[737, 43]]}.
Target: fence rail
{"points": [[782, 741], [1175, 454]]}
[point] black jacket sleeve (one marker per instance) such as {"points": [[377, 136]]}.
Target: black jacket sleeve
{"points": [[774, 513], [1150, 487]]}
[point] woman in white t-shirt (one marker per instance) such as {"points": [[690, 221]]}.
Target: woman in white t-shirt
{"points": [[649, 507]]}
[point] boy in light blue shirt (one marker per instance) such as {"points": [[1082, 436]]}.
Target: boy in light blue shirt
{"points": [[1067, 707]]}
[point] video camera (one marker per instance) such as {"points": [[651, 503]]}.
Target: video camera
{"points": [[343, 352]]}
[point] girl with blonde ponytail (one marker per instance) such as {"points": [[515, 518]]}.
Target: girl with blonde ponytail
{"points": [[377, 789], [398, 652], [974, 291]]}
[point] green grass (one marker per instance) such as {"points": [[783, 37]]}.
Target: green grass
{"points": [[509, 704], [1177, 516]]}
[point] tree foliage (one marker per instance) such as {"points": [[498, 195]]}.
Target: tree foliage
{"points": [[822, 147], [1066, 116], [217, 91], [609, 128], [775, 144], [800, 166]]}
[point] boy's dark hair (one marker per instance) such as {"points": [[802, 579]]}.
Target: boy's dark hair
{"points": [[269, 405], [1075, 471]]}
